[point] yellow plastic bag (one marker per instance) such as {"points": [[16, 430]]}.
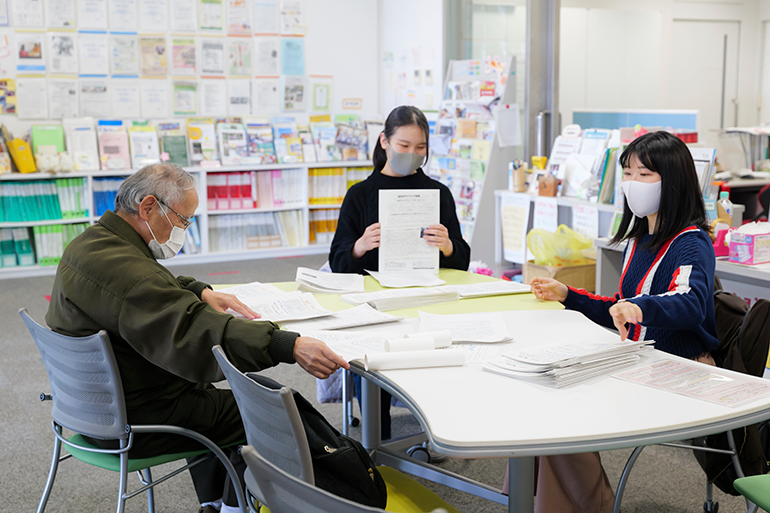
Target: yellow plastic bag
{"points": [[565, 247]]}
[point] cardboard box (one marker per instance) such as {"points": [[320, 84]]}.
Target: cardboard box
{"points": [[749, 249], [578, 276]]}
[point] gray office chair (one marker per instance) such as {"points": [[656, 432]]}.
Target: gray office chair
{"points": [[87, 397], [274, 429], [287, 494]]}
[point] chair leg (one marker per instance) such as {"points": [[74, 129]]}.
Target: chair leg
{"points": [[624, 478], [345, 401], [150, 494], [51, 474], [122, 482]]}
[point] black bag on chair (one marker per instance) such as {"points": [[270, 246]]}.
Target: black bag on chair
{"points": [[744, 336], [341, 465]]}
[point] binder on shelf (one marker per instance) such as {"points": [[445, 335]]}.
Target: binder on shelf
{"points": [[23, 248], [7, 248]]}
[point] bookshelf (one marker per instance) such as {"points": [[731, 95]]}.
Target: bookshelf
{"points": [[204, 215]]}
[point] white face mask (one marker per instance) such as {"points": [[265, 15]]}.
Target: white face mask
{"points": [[642, 198], [172, 246]]}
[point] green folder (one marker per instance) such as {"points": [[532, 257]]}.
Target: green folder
{"points": [[176, 147], [47, 135], [24, 253], [7, 249]]}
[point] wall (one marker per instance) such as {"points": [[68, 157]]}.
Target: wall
{"points": [[642, 68], [412, 38], [341, 41]]}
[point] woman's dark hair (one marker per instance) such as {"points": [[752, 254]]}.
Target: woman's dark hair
{"points": [[681, 198], [405, 115]]}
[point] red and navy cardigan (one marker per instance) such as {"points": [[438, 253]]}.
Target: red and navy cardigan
{"points": [[672, 285]]}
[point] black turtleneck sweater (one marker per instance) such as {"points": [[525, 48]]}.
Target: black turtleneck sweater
{"points": [[361, 209]]}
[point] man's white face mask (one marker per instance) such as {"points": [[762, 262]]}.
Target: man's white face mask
{"points": [[172, 246]]}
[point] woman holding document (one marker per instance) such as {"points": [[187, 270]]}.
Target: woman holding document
{"points": [[665, 293], [402, 150]]}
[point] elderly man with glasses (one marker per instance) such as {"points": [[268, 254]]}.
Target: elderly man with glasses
{"points": [[163, 327]]}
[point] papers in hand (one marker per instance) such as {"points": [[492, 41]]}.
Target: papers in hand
{"points": [[394, 299], [488, 327], [494, 288], [370, 349], [309, 280], [406, 279], [564, 363], [361, 315]]}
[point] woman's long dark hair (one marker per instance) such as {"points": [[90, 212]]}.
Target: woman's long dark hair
{"points": [[681, 199], [405, 115]]}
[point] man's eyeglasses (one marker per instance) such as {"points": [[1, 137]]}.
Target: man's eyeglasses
{"points": [[186, 222]]}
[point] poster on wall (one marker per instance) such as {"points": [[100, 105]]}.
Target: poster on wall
{"points": [[153, 15], [266, 96], [31, 98], [63, 57], [266, 56], [92, 14], [185, 17], [60, 13], [4, 19], [125, 97], [238, 17], [321, 94], [124, 54], [27, 13], [210, 15], [266, 14], [294, 99], [154, 98], [239, 56], [213, 56], [94, 55], [7, 96], [183, 54], [153, 56], [29, 52], [63, 98], [292, 56], [238, 97], [95, 98], [185, 98], [122, 15], [213, 97], [292, 20]]}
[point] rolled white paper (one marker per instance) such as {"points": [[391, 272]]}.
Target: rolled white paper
{"points": [[395, 345], [442, 338], [413, 360]]}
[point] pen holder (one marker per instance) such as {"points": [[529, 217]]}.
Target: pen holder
{"points": [[720, 246]]}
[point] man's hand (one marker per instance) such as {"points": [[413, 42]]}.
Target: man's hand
{"points": [[316, 358], [221, 302], [437, 235], [625, 312], [368, 241]]}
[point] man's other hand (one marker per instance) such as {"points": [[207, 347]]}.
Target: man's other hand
{"points": [[222, 302], [316, 358]]}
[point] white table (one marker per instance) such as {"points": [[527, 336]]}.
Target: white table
{"points": [[470, 413]]}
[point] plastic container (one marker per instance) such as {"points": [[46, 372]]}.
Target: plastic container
{"points": [[725, 207]]}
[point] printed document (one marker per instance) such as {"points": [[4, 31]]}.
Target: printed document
{"points": [[490, 288], [285, 307], [404, 216], [701, 382], [361, 315], [251, 291], [406, 279], [310, 280], [485, 327]]}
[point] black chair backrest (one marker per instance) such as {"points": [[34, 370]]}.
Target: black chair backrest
{"points": [[85, 382]]}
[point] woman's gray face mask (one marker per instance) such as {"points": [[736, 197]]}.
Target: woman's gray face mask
{"points": [[404, 163]]}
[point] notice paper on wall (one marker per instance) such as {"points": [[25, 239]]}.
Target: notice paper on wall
{"points": [[123, 15], [266, 96], [125, 97], [154, 98], [95, 98], [63, 97], [31, 98], [404, 216], [185, 98], [292, 56], [59, 13], [266, 13], [27, 13], [183, 52], [585, 220], [212, 56], [239, 97], [92, 14], [239, 17], [266, 56], [294, 94], [239, 56], [213, 97], [546, 214], [62, 51], [210, 16], [124, 54], [153, 15], [30, 52], [185, 17], [514, 212], [94, 53], [154, 56]]}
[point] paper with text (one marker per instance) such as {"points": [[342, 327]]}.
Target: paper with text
{"points": [[361, 315], [404, 215], [485, 327], [406, 279]]}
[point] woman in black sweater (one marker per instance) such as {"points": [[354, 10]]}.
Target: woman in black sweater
{"points": [[402, 149]]}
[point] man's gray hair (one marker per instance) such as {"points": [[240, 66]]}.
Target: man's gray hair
{"points": [[168, 182]]}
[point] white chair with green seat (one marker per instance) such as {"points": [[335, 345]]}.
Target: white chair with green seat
{"points": [[756, 489], [88, 400], [288, 494], [274, 428]]}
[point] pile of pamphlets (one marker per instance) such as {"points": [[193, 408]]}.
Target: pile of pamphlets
{"points": [[320, 282], [396, 299], [565, 363]]}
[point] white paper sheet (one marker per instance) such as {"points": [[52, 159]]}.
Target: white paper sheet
{"points": [[404, 215], [546, 214], [266, 96], [125, 98], [286, 307], [31, 98], [266, 60], [210, 15], [212, 56], [585, 220], [213, 96], [292, 19], [93, 54], [487, 327], [266, 17], [62, 51], [95, 98], [493, 288], [251, 291], [123, 15], [92, 14], [27, 13], [154, 97], [30, 52], [239, 97], [185, 15], [352, 345], [153, 15], [406, 279], [63, 97], [311, 280], [239, 50], [124, 54], [185, 96], [361, 315], [60, 13], [508, 125]]}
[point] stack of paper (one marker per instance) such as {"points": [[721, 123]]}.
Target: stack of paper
{"points": [[395, 279], [565, 363], [309, 280], [384, 300], [276, 305], [493, 288], [361, 315], [486, 327]]}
